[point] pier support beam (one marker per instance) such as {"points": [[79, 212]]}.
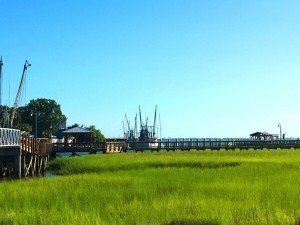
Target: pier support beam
{"points": [[11, 165], [15, 163], [18, 166]]}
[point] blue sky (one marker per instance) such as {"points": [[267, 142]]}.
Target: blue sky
{"points": [[214, 68]]}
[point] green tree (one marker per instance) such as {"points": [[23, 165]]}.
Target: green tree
{"points": [[97, 136], [20, 123], [4, 115], [74, 125], [46, 112]]}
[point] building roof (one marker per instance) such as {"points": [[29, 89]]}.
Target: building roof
{"points": [[76, 130], [263, 134]]}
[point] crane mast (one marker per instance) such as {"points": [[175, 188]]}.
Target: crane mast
{"points": [[135, 127], [141, 122], [124, 129], [19, 92], [128, 123], [154, 122], [159, 127]]}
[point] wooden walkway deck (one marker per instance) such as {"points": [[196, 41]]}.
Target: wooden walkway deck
{"points": [[172, 145], [75, 148], [21, 155], [215, 145]]}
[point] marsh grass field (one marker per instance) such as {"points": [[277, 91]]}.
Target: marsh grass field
{"points": [[205, 187]]}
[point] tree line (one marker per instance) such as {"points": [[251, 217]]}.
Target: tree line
{"points": [[42, 117]]}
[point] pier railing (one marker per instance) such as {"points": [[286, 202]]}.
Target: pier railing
{"points": [[78, 146], [13, 138], [178, 144], [213, 144], [9, 137], [22, 155]]}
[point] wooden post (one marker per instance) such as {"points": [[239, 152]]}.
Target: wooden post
{"points": [[21, 142], [1, 167], [33, 167], [18, 166], [40, 165]]}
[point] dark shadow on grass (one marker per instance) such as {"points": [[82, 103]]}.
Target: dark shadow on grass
{"points": [[60, 169], [191, 222], [6, 222], [199, 165]]}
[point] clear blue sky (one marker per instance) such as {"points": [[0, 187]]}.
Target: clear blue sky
{"points": [[214, 68]]}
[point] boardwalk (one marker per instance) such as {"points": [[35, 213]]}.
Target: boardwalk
{"points": [[75, 148], [174, 144], [212, 144], [21, 155]]}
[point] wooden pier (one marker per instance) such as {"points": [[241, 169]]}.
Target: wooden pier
{"points": [[22, 155], [76, 148], [174, 144], [90, 148], [212, 144]]}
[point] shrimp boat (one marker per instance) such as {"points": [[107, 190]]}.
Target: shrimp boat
{"points": [[144, 138]]}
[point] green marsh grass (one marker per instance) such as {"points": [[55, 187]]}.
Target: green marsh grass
{"points": [[205, 187]]}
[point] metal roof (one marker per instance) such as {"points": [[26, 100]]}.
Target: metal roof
{"points": [[263, 134], [76, 130]]}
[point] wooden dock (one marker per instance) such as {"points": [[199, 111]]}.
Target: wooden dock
{"points": [[172, 145], [22, 155], [90, 148], [212, 144], [76, 148]]}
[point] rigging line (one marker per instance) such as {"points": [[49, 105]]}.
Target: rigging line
{"points": [[9, 89], [159, 127]]}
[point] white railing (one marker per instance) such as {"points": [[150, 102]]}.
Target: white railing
{"points": [[9, 137]]}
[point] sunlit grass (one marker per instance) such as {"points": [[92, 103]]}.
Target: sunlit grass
{"points": [[108, 162], [234, 187]]}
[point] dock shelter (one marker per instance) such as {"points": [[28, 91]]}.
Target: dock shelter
{"points": [[77, 135], [263, 136]]}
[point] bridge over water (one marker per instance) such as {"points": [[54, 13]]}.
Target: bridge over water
{"points": [[22, 155]]}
